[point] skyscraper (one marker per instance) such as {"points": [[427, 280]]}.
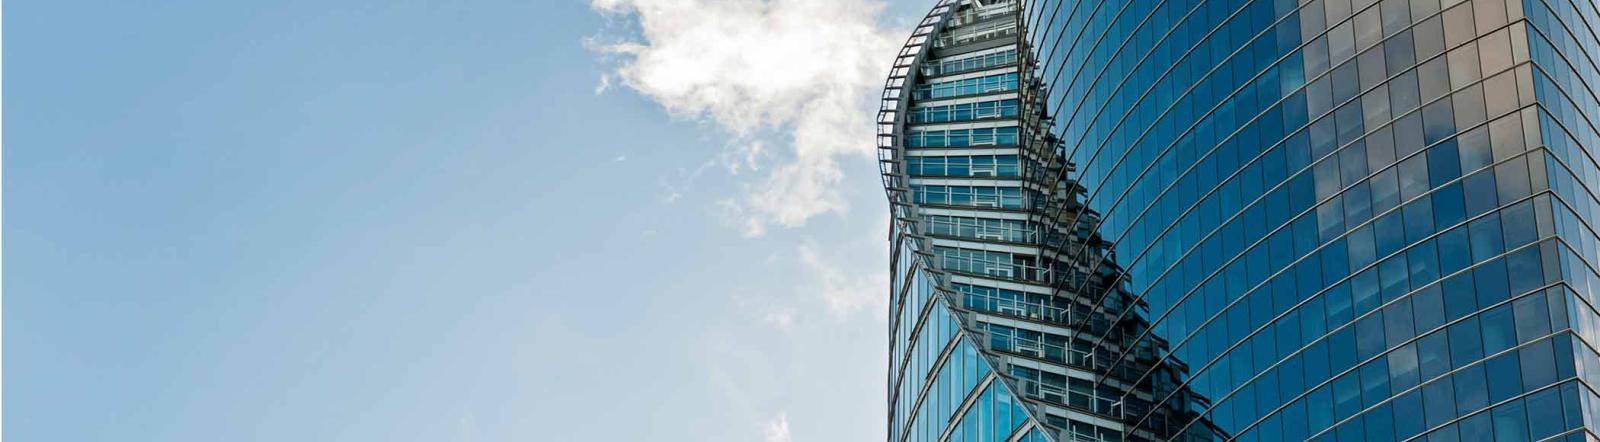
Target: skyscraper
{"points": [[1209, 220]]}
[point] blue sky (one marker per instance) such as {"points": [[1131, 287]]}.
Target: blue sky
{"points": [[428, 220]]}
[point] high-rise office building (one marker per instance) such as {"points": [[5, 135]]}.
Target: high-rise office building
{"points": [[1212, 220]]}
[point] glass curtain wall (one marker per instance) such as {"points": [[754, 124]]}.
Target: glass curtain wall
{"points": [[1247, 220], [1338, 219]]}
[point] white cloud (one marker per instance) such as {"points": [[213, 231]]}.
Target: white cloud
{"points": [[789, 87], [797, 73], [777, 429], [604, 84], [783, 319]]}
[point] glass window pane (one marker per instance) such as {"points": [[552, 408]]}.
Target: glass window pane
{"points": [[1477, 428], [1544, 414], [1398, 323], [1439, 403], [1510, 423], [1499, 329], [1466, 343], [1538, 365], [1433, 355], [1472, 389], [1532, 317], [1403, 368], [1428, 308], [1506, 372]]}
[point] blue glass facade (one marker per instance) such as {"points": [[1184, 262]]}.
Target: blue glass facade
{"points": [[1330, 220]]}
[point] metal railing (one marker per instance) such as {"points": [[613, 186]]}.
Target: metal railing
{"points": [[983, 13], [1018, 308], [983, 31]]}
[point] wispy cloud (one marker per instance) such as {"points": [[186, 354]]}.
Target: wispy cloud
{"points": [[782, 318], [845, 292], [777, 429], [674, 185], [792, 73]]}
